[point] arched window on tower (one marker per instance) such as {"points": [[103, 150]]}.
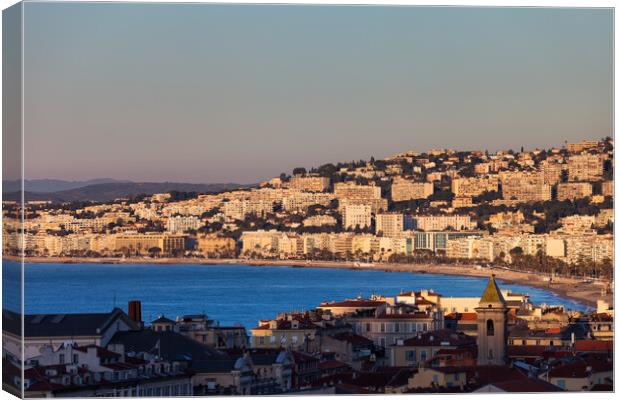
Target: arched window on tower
{"points": [[490, 327]]}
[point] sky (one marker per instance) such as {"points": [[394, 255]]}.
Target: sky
{"points": [[230, 93]]}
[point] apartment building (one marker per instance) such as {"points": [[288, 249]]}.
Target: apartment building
{"points": [[474, 186], [551, 171], [238, 209], [356, 216], [320, 220], [470, 248], [585, 167], [387, 329], [376, 205], [180, 223], [443, 222], [310, 183], [607, 188], [392, 224], [353, 191], [574, 190], [524, 186], [300, 201], [294, 331], [437, 241], [582, 145], [404, 190], [577, 223]]}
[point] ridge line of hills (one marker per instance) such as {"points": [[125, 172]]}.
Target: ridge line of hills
{"points": [[108, 190]]}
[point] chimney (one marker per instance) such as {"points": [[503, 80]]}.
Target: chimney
{"points": [[135, 311]]}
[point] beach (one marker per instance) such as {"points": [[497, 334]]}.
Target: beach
{"points": [[585, 292]]}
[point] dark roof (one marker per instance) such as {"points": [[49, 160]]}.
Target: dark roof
{"points": [[362, 303], [332, 364], [443, 337], [214, 366], [162, 320], [53, 325], [101, 351], [352, 338], [172, 346], [11, 322], [526, 385]]}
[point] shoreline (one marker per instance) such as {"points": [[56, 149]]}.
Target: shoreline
{"points": [[574, 289]]}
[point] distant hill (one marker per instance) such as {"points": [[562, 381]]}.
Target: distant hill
{"points": [[52, 185], [109, 191]]}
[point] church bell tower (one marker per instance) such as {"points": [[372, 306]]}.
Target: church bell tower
{"points": [[492, 335]]}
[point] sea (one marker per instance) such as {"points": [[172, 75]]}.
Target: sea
{"points": [[230, 294]]}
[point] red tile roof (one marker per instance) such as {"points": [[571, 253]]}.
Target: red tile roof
{"points": [[594, 345]]}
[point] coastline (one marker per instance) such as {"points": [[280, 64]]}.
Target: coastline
{"points": [[583, 292]]}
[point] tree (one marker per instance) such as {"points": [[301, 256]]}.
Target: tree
{"points": [[154, 252]]}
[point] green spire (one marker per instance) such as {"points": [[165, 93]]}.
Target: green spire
{"points": [[492, 294]]}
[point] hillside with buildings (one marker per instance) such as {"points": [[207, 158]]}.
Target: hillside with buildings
{"points": [[544, 210]]}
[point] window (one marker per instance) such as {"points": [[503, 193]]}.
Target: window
{"points": [[410, 355], [382, 327], [261, 340], [490, 328], [396, 327], [368, 327], [435, 378], [76, 358], [61, 359], [561, 383], [423, 355], [272, 339], [294, 340]]}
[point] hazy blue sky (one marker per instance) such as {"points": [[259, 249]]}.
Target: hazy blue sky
{"points": [[214, 93]]}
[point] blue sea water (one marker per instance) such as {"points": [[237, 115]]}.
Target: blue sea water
{"points": [[228, 293]]}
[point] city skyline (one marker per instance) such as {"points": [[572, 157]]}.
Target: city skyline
{"points": [[176, 99]]}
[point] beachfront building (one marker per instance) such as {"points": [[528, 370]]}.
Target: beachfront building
{"points": [[214, 245], [147, 243]]}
